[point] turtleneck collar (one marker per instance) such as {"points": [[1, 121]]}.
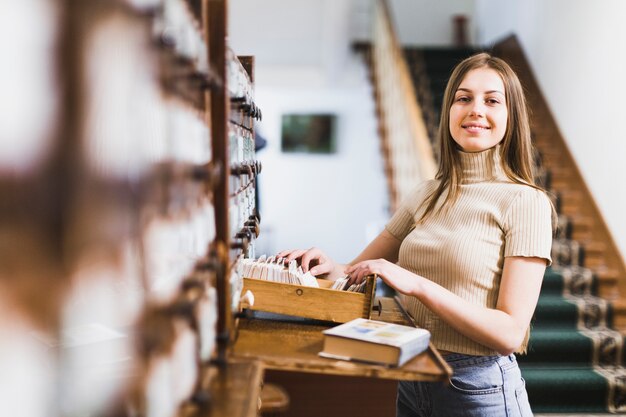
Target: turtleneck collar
{"points": [[481, 166]]}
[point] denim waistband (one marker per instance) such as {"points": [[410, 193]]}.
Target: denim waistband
{"points": [[460, 360]]}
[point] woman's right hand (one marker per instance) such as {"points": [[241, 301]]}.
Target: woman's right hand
{"points": [[312, 260]]}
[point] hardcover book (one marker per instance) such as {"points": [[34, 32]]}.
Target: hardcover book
{"points": [[374, 341]]}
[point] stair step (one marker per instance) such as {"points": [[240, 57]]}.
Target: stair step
{"points": [[594, 247], [572, 195], [607, 282], [558, 184], [552, 283], [581, 221], [594, 261], [569, 313], [582, 228], [619, 306], [558, 345], [548, 150], [571, 206], [561, 172], [542, 136], [569, 280], [619, 315], [553, 158], [570, 209], [575, 227], [554, 311], [605, 275], [581, 234], [557, 389], [608, 291], [562, 184], [543, 140], [574, 348], [594, 253]]}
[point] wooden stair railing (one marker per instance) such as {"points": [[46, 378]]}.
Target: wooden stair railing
{"points": [[589, 227], [406, 149]]}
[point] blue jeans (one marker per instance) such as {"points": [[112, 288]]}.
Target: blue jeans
{"points": [[481, 386]]}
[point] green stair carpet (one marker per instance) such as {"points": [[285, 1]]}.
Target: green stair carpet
{"points": [[574, 359]]}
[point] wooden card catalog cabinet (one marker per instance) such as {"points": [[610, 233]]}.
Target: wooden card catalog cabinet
{"points": [[112, 212], [237, 214]]}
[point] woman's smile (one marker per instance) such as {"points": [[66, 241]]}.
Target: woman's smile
{"points": [[478, 115]]}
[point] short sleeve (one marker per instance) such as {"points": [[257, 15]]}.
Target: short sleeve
{"points": [[528, 225], [403, 220]]}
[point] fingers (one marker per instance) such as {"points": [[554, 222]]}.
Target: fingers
{"points": [[313, 255], [323, 268], [291, 254], [309, 258], [358, 272]]}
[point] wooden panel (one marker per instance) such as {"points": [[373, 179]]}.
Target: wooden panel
{"points": [[335, 396], [217, 13], [234, 390], [294, 345]]}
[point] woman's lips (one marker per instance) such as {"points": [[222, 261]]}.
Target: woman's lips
{"points": [[474, 128]]}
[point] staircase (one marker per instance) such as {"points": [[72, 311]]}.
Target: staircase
{"points": [[575, 358]]}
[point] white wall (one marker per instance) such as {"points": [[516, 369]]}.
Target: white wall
{"points": [[575, 48], [430, 22], [321, 200], [304, 64]]}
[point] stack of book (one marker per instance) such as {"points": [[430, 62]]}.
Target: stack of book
{"points": [[374, 341]]}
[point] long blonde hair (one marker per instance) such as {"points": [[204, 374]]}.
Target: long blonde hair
{"points": [[516, 150]]}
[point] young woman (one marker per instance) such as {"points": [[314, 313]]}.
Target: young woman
{"points": [[468, 249]]}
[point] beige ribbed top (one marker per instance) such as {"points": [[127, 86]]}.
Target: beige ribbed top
{"points": [[463, 247]]}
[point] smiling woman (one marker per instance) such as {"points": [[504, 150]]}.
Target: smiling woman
{"points": [[468, 249], [478, 116]]}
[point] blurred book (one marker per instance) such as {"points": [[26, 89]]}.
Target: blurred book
{"points": [[374, 341]]}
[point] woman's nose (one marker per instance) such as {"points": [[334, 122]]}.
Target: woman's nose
{"points": [[478, 109]]}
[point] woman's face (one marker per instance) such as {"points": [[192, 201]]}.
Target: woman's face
{"points": [[478, 115]]}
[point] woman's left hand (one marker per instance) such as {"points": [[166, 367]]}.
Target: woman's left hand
{"points": [[396, 277]]}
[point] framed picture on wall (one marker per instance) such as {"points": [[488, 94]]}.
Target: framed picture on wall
{"points": [[309, 133]]}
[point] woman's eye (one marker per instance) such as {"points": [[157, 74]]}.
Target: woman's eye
{"points": [[492, 101], [463, 99]]}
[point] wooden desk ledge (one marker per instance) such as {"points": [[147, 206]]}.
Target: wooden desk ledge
{"points": [[294, 346]]}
